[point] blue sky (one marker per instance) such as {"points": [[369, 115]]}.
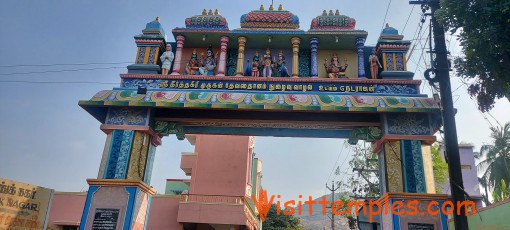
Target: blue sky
{"points": [[47, 139]]}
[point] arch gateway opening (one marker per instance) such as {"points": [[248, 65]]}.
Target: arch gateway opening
{"points": [[267, 78]]}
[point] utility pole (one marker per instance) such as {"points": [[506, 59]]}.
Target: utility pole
{"points": [[332, 201], [440, 68]]}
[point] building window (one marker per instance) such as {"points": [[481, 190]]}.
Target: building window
{"points": [[69, 228], [250, 167], [466, 167]]}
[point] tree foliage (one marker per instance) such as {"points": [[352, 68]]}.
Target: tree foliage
{"points": [[483, 28], [362, 183], [494, 160], [502, 192], [274, 221], [439, 167]]}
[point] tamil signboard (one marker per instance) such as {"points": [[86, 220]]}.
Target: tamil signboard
{"points": [[23, 206], [105, 219]]}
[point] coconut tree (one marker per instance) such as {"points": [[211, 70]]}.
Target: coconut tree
{"points": [[494, 159]]}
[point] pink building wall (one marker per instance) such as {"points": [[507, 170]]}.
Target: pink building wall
{"points": [[220, 171], [163, 212], [66, 209], [219, 163]]}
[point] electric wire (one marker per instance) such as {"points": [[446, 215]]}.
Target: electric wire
{"points": [[405, 25], [386, 14], [64, 64], [59, 71], [59, 82]]}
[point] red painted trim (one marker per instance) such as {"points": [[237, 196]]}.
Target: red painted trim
{"points": [[426, 138], [156, 139]]}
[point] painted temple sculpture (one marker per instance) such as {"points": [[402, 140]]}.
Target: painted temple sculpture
{"points": [[263, 79]]}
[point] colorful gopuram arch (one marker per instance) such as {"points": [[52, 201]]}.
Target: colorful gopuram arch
{"points": [[267, 78]]}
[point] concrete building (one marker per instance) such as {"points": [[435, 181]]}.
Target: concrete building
{"points": [[224, 174], [469, 175]]}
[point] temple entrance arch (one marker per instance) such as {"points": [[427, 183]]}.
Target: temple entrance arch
{"points": [[218, 95]]}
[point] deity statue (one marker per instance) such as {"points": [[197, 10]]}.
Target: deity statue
{"points": [[208, 64], [192, 65], [281, 69], [267, 65], [374, 64], [334, 69], [166, 59], [255, 65]]}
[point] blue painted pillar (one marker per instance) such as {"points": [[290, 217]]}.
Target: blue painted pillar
{"points": [[314, 69], [360, 44], [121, 195]]}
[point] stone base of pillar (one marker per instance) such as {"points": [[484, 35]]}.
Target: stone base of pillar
{"points": [[417, 211], [116, 204]]}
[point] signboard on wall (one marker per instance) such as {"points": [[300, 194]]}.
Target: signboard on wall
{"points": [[23, 206], [105, 219]]}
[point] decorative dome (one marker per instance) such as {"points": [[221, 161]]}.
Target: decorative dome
{"points": [[154, 27], [207, 20], [270, 19], [390, 33], [333, 22]]}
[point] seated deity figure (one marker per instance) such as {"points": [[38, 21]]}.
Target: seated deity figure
{"points": [[255, 65], [192, 65], [334, 69], [166, 59], [281, 69], [208, 64], [267, 64]]}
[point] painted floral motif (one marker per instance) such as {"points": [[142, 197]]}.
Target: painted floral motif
{"points": [[408, 124], [126, 116], [200, 97], [418, 167], [331, 100], [129, 95], [101, 95], [394, 89], [324, 101], [231, 97], [364, 101], [167, 96], [298, 99], [398, 101], [393, 166], [264, 98]]}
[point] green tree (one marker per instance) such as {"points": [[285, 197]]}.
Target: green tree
{"points": [[274, 221], [483, 29], [502, 192], [439, 167], [494, 159], [362, 182]]}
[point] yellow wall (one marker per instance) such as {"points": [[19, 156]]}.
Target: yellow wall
{"points": [[352, 61], [427, 168]]}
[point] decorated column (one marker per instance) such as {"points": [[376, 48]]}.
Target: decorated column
{"points": [[360, 44], [150, 44], [392, 50], [178, 55], [121, 195], [314, 69], [240, 56], [223, 56], [405, 169], [295, 58]]}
